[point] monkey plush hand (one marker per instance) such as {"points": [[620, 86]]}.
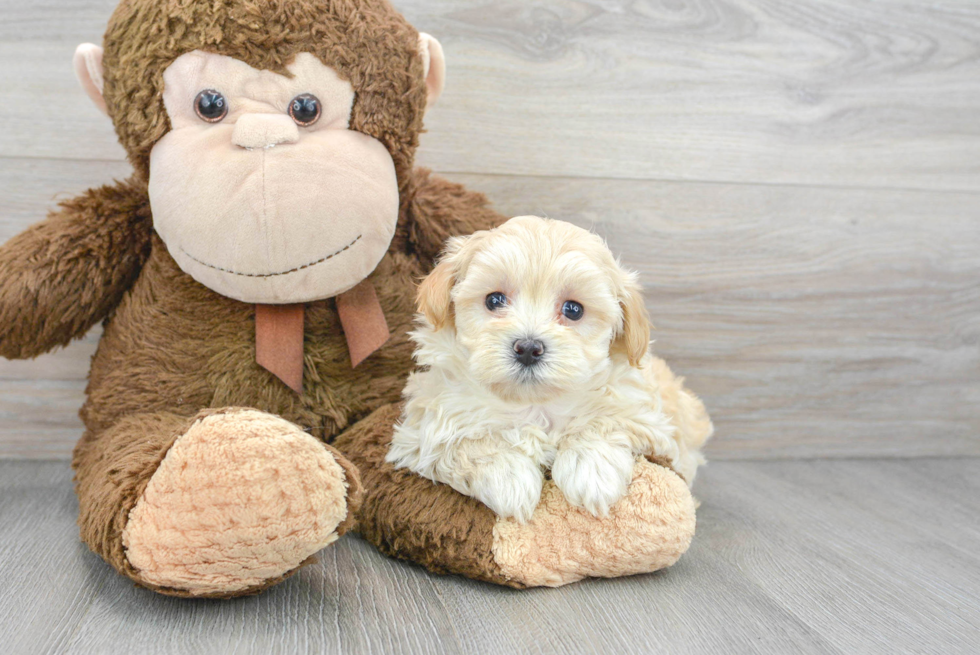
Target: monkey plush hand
{"points": [[255, 278]]}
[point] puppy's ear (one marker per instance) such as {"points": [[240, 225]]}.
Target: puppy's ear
{"points": [[634, 337], [435, 295]]}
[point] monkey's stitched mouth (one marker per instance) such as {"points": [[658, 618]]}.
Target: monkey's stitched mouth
{"points": [[292, 270]]}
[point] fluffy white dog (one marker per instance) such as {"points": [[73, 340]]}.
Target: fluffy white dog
{"points": [[532, 346]]}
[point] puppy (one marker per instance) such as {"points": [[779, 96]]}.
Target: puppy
{"points": [[532, 347]]}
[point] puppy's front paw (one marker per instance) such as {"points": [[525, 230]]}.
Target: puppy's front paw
{"points": [[510, 485], [593, 476]]}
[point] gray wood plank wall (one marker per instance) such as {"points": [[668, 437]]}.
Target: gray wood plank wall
{"points": [[797, 182]]}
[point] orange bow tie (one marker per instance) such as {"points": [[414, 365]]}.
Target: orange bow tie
{"points": [[279, 333]]}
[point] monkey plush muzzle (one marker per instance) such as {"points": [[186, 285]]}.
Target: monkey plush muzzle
{"points": [[256, 203]]}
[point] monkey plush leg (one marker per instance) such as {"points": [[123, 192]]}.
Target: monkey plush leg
{"points": [[222, 504], [412, 518]]}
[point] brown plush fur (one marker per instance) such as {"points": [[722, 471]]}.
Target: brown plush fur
{"points": [[409, 517], [172, 347], [111, 474], [68, 272], [367, 42], [175, 345]]}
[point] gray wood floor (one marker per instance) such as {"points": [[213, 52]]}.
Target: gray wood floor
{"points": [[818, 556]]}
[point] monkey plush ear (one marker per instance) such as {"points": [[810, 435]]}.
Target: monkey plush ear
{"points": [[635, 335], [434, 65], [88, 68]]}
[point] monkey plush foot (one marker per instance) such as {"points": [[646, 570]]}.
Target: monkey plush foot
{"points": [[241, 499], [238, 501], [410, 517]]}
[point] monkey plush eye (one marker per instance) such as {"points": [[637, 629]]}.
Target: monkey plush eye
{"points": [[495, 301], [572, 310], [210, 106], [305, 109]]}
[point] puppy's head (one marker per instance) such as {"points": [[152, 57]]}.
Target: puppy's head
{"points": [[539, 306]]}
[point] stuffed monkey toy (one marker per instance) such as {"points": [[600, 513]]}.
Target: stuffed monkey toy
{"points": [[255, 278]]}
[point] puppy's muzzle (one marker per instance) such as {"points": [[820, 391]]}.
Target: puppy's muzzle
{"points": [[528, 352]]}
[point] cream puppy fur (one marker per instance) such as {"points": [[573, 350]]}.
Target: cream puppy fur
{"points": [[532, 347]]}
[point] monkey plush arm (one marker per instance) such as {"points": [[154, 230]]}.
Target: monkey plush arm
{"points": [[61, 276], [441, 209]]}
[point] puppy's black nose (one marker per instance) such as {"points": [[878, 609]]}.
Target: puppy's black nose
{"points": [[528, 352]]}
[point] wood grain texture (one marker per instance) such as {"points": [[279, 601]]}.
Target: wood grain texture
{"points": [[870, 556], [813, 321], [829, 92]]}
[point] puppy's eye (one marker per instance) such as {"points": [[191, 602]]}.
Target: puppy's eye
{"points": [[495, 301], [210, 106], [305, 109], [572, 310]]}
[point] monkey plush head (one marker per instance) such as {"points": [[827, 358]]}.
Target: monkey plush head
{"points": [[275, 136]]}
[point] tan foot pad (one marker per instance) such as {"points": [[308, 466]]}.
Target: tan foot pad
{"points": [[241, 499], [649, 529]]}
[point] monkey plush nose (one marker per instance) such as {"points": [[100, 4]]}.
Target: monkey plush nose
{"points": [[264, 130], [528, 352]]}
